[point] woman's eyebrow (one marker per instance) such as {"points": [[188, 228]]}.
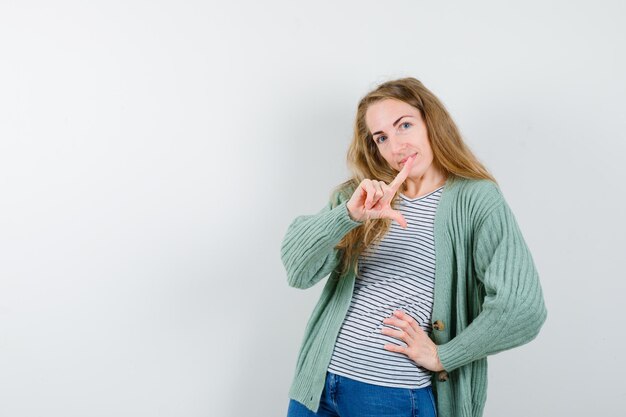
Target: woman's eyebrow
{"points": [[394, 124]]}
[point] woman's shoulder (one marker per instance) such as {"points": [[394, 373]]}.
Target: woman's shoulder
{"points": [[477, 189], [476, 185]]}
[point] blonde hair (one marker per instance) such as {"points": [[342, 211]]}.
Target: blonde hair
{"points": [[450, 155]]}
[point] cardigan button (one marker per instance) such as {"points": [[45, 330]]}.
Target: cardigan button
{"points": [[438, 325], [443, 376]]}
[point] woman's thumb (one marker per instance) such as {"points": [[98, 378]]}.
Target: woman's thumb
{"points": [[395, 215]]}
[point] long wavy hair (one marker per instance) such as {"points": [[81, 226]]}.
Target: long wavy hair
{"points": [[450, 155]]}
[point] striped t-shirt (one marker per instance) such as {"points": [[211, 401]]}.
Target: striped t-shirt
{"points": [[397, 274]]}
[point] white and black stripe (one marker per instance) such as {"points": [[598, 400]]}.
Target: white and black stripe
{"points": [[397, 274]]}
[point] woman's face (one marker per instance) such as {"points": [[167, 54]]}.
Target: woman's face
{"points": [[398, 130]]}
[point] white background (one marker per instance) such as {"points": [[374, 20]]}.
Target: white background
{"points": [[152, 154]]}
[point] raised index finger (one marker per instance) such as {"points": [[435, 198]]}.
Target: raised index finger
{"points": [[404, 172]]}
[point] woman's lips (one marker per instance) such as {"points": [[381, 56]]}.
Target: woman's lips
{"points": [[404, 160]]}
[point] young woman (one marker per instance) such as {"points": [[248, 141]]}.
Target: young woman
{"points": [[429, 272]]}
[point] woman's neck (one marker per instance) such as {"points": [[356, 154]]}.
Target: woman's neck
{"points": [[427, 183]]}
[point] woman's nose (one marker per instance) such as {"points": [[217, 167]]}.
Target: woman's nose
{"points": [[397, 144]]}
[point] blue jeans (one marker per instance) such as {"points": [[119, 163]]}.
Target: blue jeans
{"points": [[345, 397]]}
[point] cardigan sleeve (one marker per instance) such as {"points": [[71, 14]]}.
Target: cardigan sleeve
{"points": [[308, 248], [513, 309]]}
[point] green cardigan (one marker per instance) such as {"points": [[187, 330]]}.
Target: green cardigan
{"points": [[487, 292]]}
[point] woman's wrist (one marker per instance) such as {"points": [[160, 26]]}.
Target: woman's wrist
{"points": [[350, 214], [438, 363]]}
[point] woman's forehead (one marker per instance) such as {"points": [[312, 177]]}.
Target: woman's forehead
{"points": [[384, 113]]}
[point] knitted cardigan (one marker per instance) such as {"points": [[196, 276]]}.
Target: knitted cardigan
{"points": [[487, 292]]}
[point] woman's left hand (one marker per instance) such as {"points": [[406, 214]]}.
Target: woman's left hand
{"points": [[420, 349]]}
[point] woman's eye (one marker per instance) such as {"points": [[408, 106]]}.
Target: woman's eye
{"points": [[406, 123], [380, 139]]}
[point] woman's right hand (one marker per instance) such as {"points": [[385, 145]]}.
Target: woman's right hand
{"points": [[372, 198]]}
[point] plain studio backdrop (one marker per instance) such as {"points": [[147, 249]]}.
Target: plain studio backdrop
{"points": [[153, 153]]}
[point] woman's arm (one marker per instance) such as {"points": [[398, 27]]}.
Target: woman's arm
{"points": [[513, 310], [308, 248]]}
